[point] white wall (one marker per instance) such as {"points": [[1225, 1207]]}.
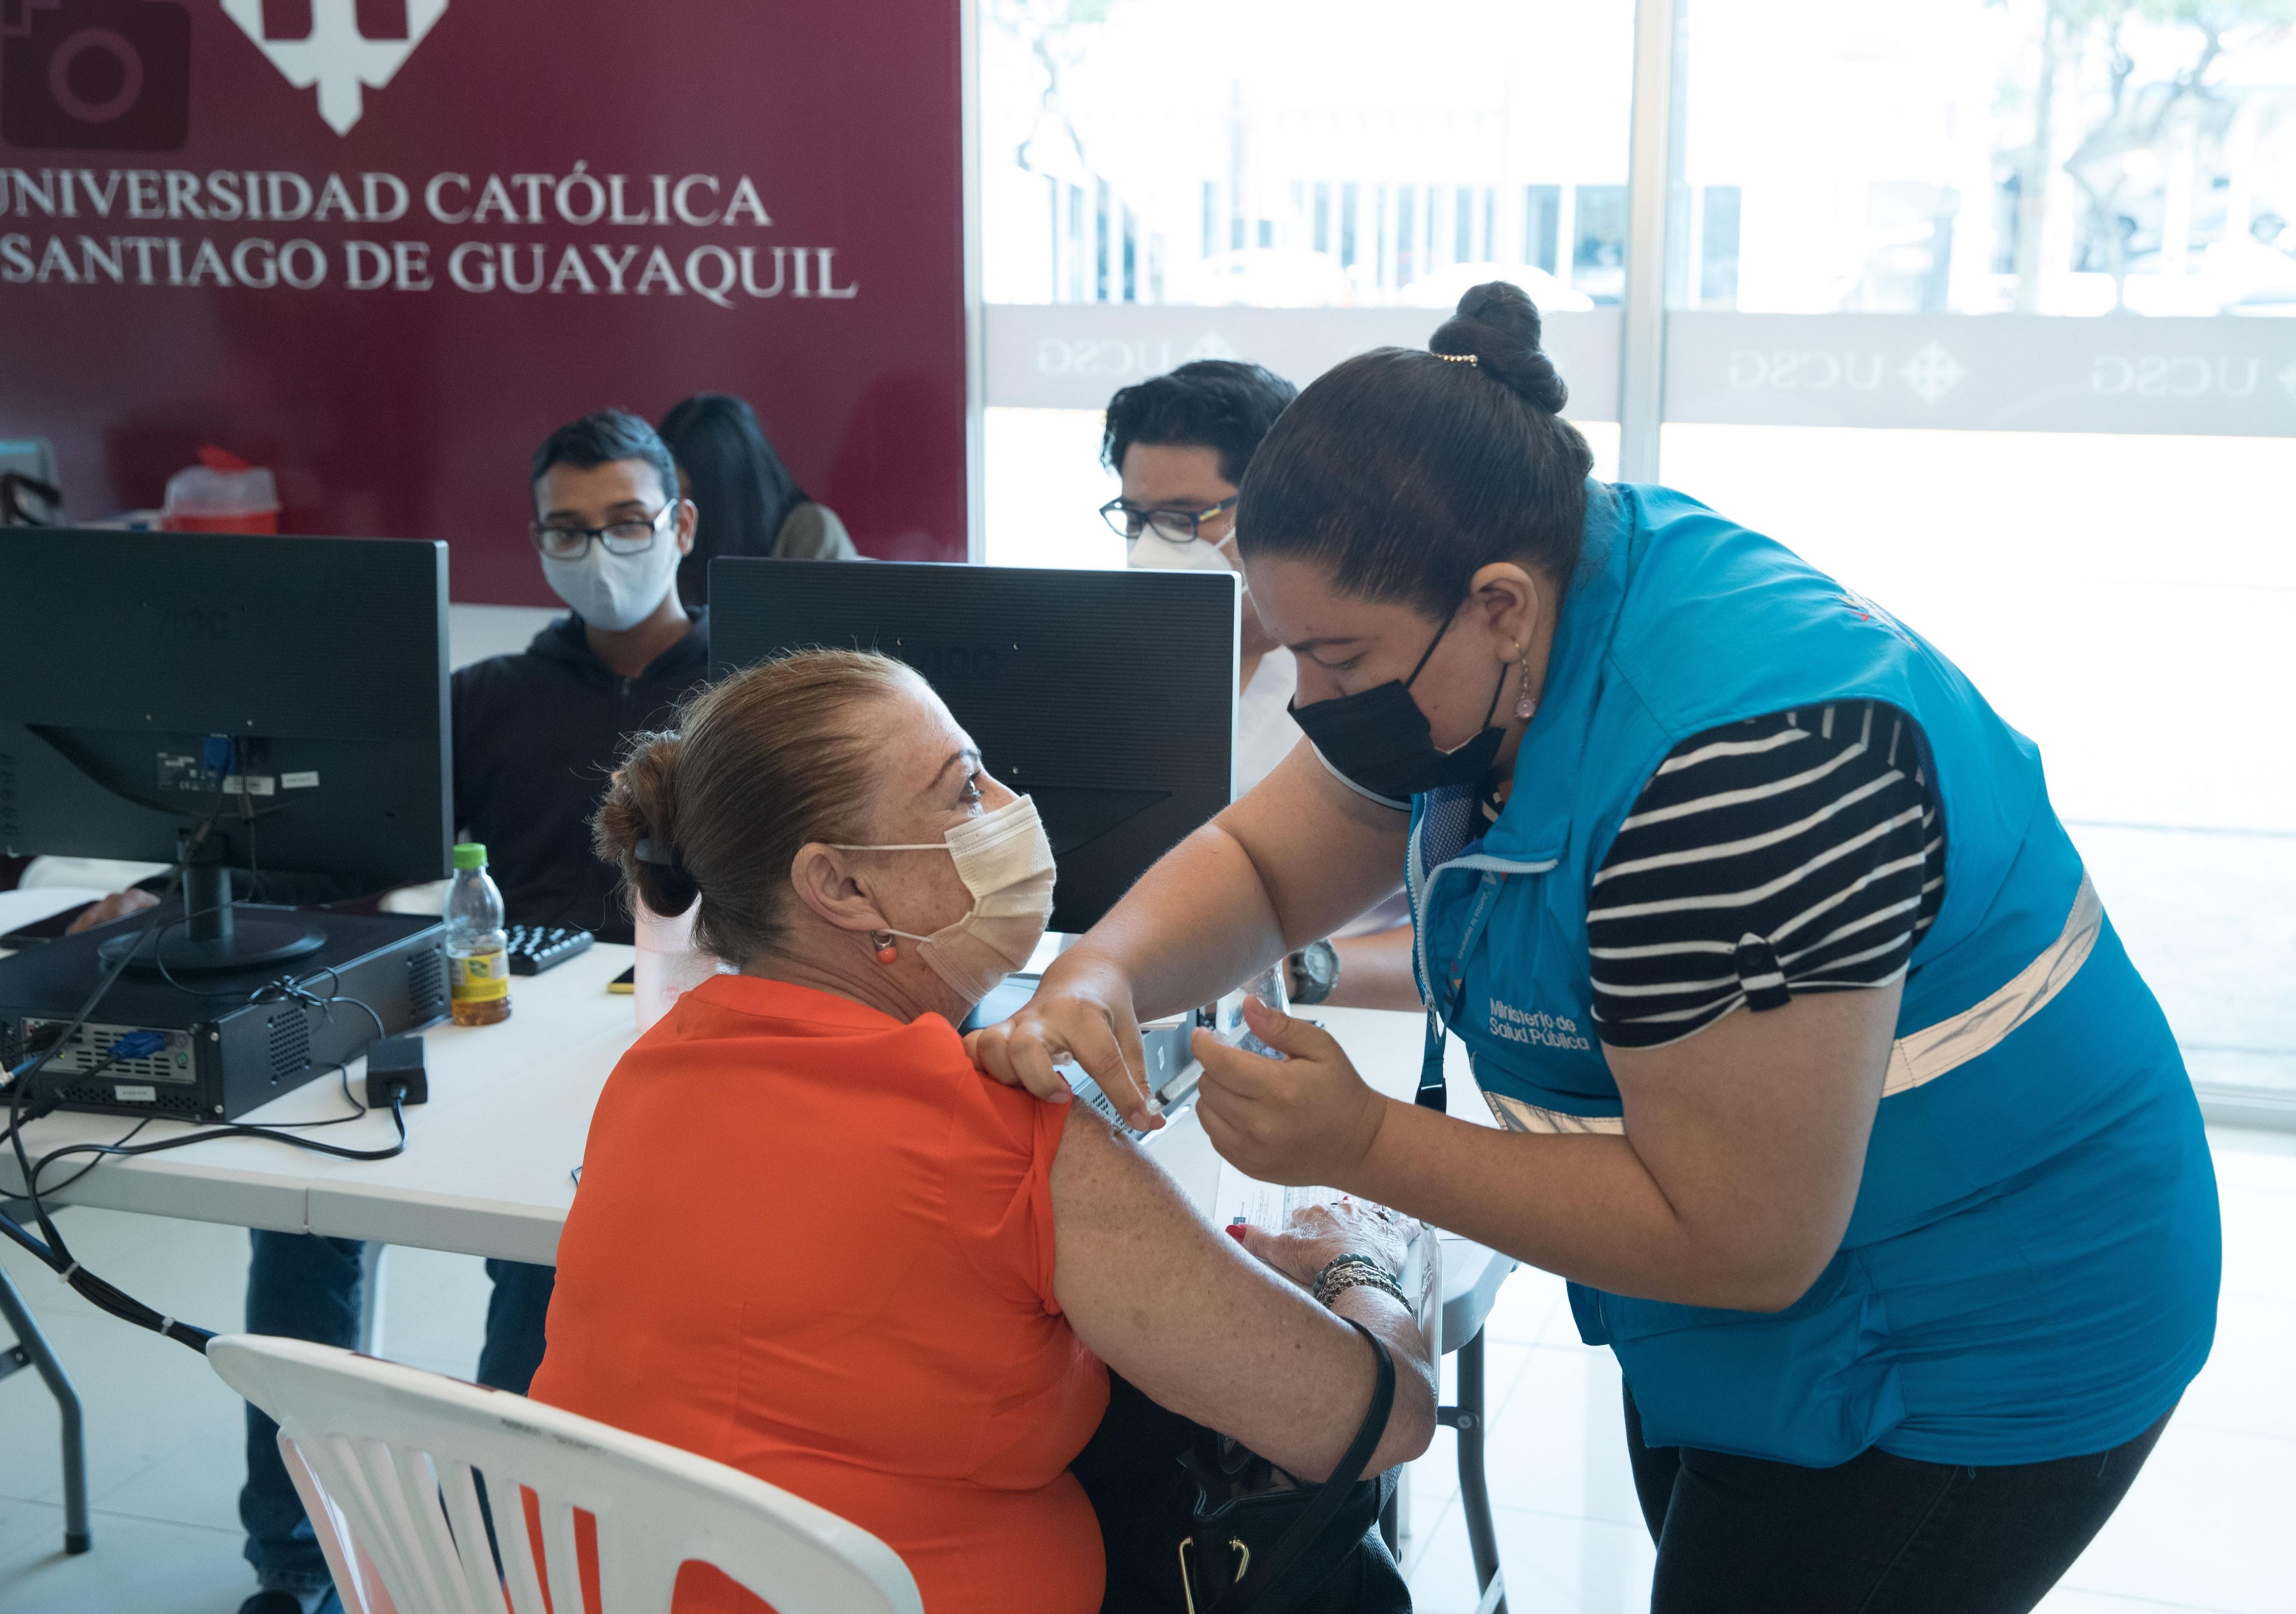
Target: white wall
{"points": [[475, 632]]}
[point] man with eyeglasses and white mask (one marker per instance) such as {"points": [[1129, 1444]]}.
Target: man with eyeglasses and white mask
{"points": [[536, 734], [1179, 444]]}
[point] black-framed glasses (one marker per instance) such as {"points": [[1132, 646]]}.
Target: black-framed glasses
{"points": [[1173, 526], [621, 538]]}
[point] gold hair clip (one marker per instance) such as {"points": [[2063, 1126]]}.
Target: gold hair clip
{"points": [[1460, 358]]}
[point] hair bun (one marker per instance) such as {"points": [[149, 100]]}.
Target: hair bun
{"points": [[637, 824], [1498, 323]]}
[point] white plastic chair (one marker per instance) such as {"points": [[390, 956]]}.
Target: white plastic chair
{"points": [[387, 1460]]}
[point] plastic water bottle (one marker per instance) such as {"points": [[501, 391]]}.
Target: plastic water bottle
{"points": [[478, 962]]}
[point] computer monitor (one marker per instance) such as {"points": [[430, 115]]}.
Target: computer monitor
{"points": [[260, 704], [1107, 696]]}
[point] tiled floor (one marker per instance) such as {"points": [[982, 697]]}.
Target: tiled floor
{"points": [[2204, 1528]]}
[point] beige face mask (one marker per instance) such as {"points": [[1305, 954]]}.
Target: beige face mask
{"points": [[1006, 862]]}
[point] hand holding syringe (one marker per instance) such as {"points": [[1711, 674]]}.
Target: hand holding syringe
{"points": [[1228, 1024], [1278, 1098]]}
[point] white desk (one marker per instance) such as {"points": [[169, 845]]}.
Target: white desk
{"points": [[489, 1161]]}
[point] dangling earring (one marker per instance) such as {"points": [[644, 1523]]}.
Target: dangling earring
{"points": [[882, 940], [1525, 704]]}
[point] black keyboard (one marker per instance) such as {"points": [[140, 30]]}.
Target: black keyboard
{"points": [[534, 948]]}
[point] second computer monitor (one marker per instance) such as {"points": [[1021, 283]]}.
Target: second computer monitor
{"points": [[1107, 696]]}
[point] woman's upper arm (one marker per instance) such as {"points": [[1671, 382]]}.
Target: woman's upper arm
{"points": [[1323, 853], [1751, 925], [1209, 1331], [1755, 1131]]}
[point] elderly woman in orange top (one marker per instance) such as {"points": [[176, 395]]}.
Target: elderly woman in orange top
{"points": [[813, 1241]]}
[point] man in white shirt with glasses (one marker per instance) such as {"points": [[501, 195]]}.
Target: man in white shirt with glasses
{"points": [[1179, 444]]}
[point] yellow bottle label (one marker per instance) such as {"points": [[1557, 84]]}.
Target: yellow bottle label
{"points": [[480, 978]]}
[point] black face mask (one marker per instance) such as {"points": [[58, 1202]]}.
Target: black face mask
{"points": [[1379, 742]]}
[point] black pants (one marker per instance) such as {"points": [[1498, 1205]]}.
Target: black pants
{"points": [[1879, 1535]]}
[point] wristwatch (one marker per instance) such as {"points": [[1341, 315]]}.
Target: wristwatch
{"points": [[1315, 972]]}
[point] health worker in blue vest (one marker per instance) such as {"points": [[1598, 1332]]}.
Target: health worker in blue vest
{"points": [[1818, 1069]]}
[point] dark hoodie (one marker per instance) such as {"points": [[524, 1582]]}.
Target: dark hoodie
{"points": [[536, 735]]}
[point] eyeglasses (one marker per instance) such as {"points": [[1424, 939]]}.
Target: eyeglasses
{"points": [[1172, 525], [619, 538]]}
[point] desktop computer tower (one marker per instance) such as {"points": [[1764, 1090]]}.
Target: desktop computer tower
{"points": [[226, 1044]]}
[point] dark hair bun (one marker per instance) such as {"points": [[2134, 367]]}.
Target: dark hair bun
{"points": [[641, 808], [1498, 323]]}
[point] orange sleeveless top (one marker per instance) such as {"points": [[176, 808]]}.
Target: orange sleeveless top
{"points": [[816, 1244]]}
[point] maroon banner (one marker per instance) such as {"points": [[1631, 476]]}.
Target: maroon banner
{"points": [[383, 247]]}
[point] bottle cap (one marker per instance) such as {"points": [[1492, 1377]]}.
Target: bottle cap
{"points": [[470, 854]]}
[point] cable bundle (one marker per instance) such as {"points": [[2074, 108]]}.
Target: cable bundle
{"points": [[49, 1248]]}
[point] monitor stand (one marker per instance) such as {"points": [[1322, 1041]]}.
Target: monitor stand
{"points": [[213, 935]]}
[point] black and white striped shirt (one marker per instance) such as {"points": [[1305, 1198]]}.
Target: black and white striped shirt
{"points": [[1799, 852]]}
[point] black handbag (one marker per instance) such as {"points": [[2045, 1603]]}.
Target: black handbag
{"points": [[1193, 1523]]}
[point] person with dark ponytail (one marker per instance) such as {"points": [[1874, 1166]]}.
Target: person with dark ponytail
{"points": [[1818, 1069]]}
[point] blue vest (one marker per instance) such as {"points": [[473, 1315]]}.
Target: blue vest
{"points": [[2030, 1268]]}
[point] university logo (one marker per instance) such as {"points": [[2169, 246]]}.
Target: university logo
{"points": [[1933, 372], [1211, 344], [334, 55]]}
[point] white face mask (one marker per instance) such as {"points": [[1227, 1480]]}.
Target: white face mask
{"points": [[1006, 862], [1149, 553], [616, 592]]}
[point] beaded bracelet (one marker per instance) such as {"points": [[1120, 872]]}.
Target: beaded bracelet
{"points": [[1341, 1282], [1348, 1271]]}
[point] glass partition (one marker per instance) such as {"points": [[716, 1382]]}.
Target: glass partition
{"points": [[2062, 157], [2003, 343], [1286, 181]]}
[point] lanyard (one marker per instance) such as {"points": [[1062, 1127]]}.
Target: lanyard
{"points": [[1433, 1092]]}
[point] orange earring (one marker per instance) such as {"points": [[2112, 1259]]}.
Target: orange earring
{"points": [[882, 940]]}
